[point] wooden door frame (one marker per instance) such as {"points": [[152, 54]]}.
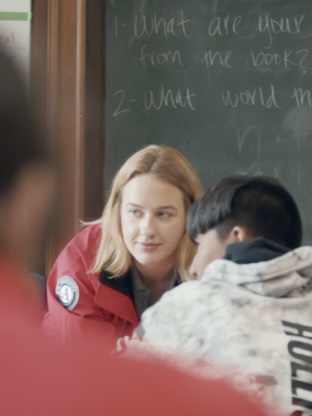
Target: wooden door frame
{"points": [[67, 74]]}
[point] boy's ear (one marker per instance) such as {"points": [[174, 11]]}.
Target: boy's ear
{"points": [[240, 234]]}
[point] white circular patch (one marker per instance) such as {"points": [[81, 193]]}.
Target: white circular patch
{"points": [[67, 292]]}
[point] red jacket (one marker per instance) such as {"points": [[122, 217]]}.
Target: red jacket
{"points": [[19, 297], [38, 378], [87, 306]]}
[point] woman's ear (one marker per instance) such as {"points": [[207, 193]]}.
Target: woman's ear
{"points": [[240, 234]]}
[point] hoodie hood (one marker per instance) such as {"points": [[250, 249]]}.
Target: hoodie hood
{"points": [[264, 268], [253, 251]]}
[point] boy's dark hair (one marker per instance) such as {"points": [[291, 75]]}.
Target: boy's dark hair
{"points": [[258, 203], [21, 142]]}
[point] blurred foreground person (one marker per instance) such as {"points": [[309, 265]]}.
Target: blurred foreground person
{"points": [[37, 378], [79, 383], [26, 193]]}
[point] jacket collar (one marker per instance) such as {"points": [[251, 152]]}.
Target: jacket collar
{"points": [[115, 295], [122, 284]]}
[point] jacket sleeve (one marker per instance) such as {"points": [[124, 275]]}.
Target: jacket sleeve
{"points": [[73, 314]]}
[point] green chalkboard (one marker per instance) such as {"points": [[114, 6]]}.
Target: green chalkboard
{"points": [[228, 82]]}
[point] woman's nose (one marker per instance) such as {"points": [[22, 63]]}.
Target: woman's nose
{"points": [[148, 225]]}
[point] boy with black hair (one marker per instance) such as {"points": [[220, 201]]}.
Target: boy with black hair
{"points": [[250, 310]]}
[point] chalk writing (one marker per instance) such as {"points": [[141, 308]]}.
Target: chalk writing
{"points": [[224, 26], [253, 97], [271, 26], [227, 80], [168, 98], [251, 133], [120, 109], [286, 58], [210, 58], [302, 97], [154, 25], [160, 58]]}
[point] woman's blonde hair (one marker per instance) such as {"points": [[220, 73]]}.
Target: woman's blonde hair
{"points": [[167, 164]]}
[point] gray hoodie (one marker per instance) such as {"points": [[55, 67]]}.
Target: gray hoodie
{"points": [[252, 319]]}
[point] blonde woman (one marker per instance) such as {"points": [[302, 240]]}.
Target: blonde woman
{"points": [[122, 263]]}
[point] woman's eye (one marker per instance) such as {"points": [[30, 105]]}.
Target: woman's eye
{"points": [[135, 212], [164, 214]]}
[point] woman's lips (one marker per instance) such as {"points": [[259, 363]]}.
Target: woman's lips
{"points": [[149, 246]]}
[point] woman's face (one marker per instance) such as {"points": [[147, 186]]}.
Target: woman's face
{"points": [[152, 221]]}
